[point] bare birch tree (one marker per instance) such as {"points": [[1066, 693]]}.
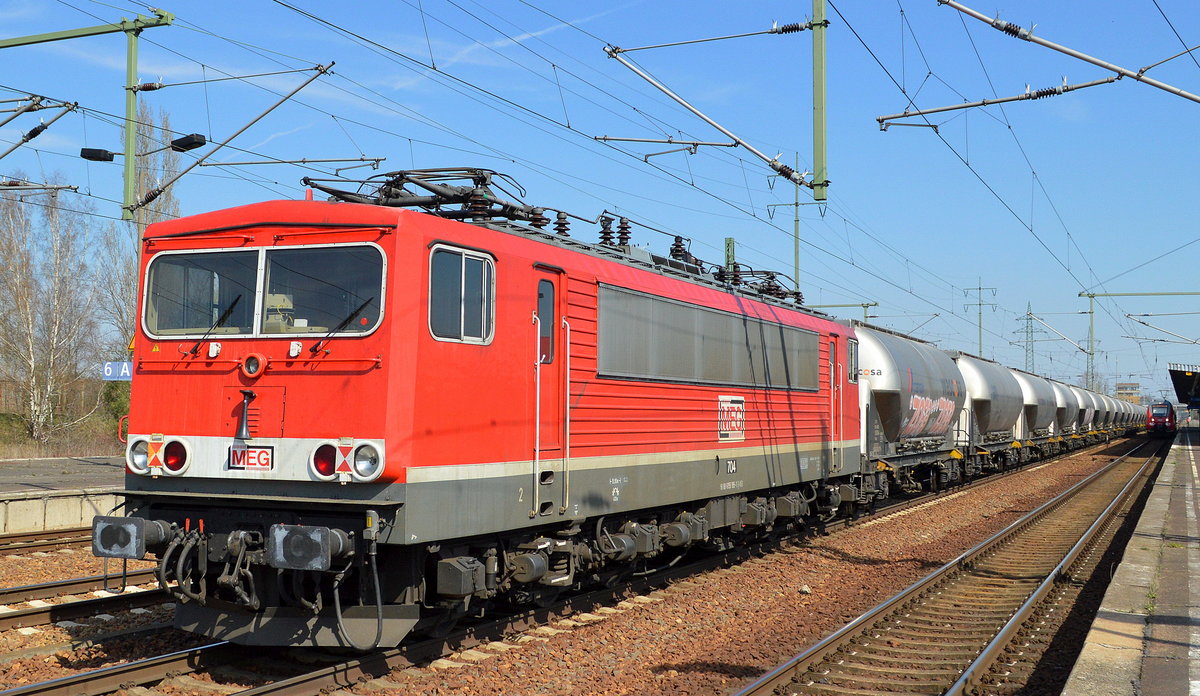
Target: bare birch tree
{"points": [[47, 326]]}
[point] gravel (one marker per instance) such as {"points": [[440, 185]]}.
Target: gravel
{"points": [[719, 631], [711, 634], [48, 566]]}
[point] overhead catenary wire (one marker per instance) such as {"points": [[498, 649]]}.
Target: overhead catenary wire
{"points": [[334, 26], [177, 52], [247, 45], [991, 189], [583, 184], [158, 190], [1027, 35]]}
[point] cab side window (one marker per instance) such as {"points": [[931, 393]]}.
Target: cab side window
{"points": [[852, 360], [546, 321], [461, 295]]}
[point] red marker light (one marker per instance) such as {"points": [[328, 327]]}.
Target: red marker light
{"points": [[363, 321], [324, 460], [175, 456]]}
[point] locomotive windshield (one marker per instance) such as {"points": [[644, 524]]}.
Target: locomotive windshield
{"points": [[303, 290], [316, 289], [1160, 410], [189, 293]]}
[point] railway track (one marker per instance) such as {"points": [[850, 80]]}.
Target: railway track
{"points": [[945, 633], [81, 609], [339, 672], [59, 588], [150, 670], [44, 613], [47, 540]]}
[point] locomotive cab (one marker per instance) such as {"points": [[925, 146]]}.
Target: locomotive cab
{"points": [[258, 449]]}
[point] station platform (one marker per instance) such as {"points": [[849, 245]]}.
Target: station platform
{"points": [[60, 473], [1145, 639], [57, 493]]}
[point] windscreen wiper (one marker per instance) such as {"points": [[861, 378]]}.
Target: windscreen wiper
{"points": [[220, 320], [344, 323]]}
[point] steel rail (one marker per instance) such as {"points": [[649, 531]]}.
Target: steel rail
{"points": [[21, 542], [981, 666], [67, 611], [784, 674], [346, 674], [110, 679], [24, 593], [147, 631], [379, 664]]}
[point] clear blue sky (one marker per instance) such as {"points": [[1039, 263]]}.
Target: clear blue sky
{"points": [[1037, 199]]}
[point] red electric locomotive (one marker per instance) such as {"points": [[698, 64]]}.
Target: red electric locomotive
{"points": [[1160, 418], [351, 421]]}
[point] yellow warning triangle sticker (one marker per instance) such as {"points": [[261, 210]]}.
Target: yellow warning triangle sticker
{"points": [[154, 349]]}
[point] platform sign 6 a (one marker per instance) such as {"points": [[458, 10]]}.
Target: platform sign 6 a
{"points": [[118, 371]]}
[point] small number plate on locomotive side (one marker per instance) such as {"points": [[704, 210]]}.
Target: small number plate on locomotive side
{"points": [[246, 458]]}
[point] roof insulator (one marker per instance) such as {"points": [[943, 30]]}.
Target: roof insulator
{"points": [[606, 234], [562, 225], [623, 235]]}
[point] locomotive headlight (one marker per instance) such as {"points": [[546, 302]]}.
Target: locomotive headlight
{"points": [[138, 457], [253, 365], [367, 462]]}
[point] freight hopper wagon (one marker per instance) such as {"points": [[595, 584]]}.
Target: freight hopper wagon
{"points": [[932, 418], [1033, 434], [351, 422], [910, 395], [1086, 422], [1066, 414], [993, 406]]}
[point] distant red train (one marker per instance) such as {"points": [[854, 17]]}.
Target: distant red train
{"points": [[1160, 418]]}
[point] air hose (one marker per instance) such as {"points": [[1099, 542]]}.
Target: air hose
{"points": [[337, 604]]}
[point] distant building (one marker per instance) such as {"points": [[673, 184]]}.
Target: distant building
{"points": [[1130, 391]]}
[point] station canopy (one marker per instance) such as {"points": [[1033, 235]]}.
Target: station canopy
{"points": [[1186, 379]]}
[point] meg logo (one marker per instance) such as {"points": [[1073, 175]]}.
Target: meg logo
{"points": [[731, 418], [246, 458]]}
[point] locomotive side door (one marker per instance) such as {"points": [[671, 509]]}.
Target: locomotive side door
{"points": [[550, 352], [836, 458]]}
